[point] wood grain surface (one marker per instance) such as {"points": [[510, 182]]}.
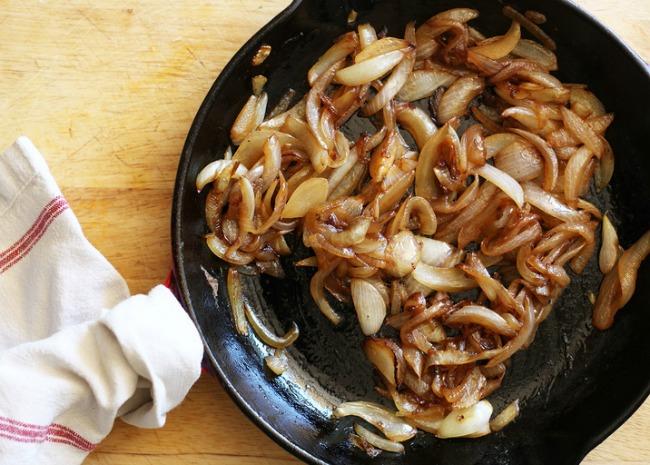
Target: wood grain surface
{"points": [[107, 90]]}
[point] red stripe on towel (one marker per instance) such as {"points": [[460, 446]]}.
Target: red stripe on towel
{"points": [[26, 432], [19, 249]]}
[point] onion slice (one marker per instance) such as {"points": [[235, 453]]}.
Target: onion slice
{"points": [[310, 193], [551, 168], [483, 316], [504, 182], [394, 427], [392, 85], [471, 421], [267, 335], [277, 362], [507, 416], [341, 49], [369, 305], [387, 357], [443, 279], [422, 83], [609, 251], [377, 441], [499, 47], [237, 302], [369, 70], [619, 284], [455, 100]]}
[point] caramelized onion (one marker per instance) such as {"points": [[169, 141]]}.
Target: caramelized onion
{"points": [[499, 47], [443, 279], [369, 70], [377, 441], [455, 100], [237, 303], [506, 416], [422, 83], [619, 284], [394, 427], [609, 251], [369, 305], [359, 205]]}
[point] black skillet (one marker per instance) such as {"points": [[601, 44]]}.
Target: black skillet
{"points": [[576, 385]]}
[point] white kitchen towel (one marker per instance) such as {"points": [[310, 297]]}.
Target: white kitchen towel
{"points": [[75, 350]]}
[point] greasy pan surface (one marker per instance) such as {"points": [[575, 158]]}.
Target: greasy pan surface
{"points": [[576, 385]]}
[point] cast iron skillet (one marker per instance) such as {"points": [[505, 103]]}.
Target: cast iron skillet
{"points": [[576, 385]]}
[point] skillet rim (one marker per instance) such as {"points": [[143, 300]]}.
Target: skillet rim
{"points": [[582, 448]]}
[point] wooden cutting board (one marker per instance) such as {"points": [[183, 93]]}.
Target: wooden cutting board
{"points": [[107, 90]]}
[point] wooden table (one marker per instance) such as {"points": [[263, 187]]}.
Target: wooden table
{"points": [[107, 90]]}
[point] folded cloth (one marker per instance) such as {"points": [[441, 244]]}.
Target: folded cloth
{"points": [[75, 350]]}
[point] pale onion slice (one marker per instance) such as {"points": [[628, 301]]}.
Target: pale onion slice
{"points": [[394, 427], [251, 150], [436, 253], [341, 49], [237, 302], [377, 441], [533, 51], [272, 161], [458, 15], [369, 70], [402, 253], [367, 35], [420, 208], [470, 421], [338, 174], [425, 182], [422, 83], [496, 142], [483, 316], [247, 207], [258, 82], [318, 155], [277, 362], [417, 122], [551, 168], [392, 85], [610, 249], [605, 169], [310, 193], [242, 125], [380, 47], [498, 47], [455, 100], [551, 205], [528, 117], [520, 161], [354, 234], [574, 172], [387, 357], [210, 172], [219, 248], [585, 104], [443, 279], [503, 181], [507, 416], [582, 131], [369, 305], [341, 148]]}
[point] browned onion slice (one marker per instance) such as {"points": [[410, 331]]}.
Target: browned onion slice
{"points": [[455, 100], [619, 284]]}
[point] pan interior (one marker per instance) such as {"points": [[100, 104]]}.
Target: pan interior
{"points": [[573, 383]]}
